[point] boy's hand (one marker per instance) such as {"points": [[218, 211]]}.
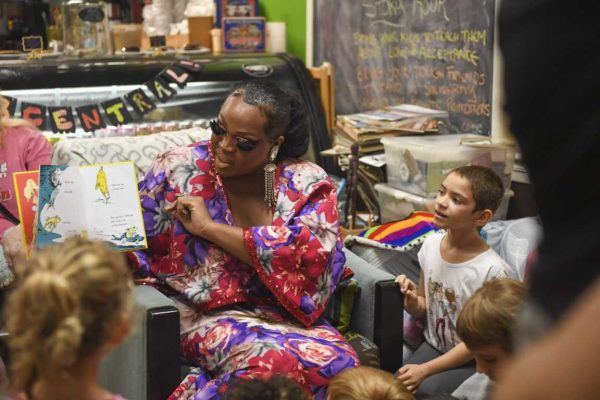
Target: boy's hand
{"points": [[409, 290], [411, 375]]}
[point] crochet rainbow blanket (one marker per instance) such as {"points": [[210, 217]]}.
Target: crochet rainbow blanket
{"points": [[398, 235]]}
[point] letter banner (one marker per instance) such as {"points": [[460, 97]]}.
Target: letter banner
{"points": [[35, 113], [90, 118], [176, 75], [141, 103], [191, 66], [116, 112], [61, 119], [160, 89]]}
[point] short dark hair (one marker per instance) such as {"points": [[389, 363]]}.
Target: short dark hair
{"points": [[486, 186], [285, 111], [277, 387]]}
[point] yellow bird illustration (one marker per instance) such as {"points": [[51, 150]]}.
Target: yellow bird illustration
{"points": [[102, 184], [131, 232], [51, 222]]}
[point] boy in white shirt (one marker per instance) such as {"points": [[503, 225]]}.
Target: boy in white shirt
{"points": [[453, 266]]}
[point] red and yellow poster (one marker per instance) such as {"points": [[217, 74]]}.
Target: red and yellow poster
{"points": [[26, 192]]}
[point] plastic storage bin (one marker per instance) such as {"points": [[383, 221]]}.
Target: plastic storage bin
{"points": [[396, 204], [418, 164]]}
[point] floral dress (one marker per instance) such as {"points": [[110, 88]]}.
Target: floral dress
{"points": [[247, 321]]}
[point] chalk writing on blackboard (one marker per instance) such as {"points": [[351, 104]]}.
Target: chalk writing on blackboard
{"points": [[433, 53]]}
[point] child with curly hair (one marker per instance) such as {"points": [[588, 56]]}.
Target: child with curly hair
{"points": [[71, 305]]}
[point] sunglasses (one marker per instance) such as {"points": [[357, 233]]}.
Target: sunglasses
{"points": [[241, 143]]}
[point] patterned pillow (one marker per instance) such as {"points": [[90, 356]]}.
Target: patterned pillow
{"points": [[142, 150]]}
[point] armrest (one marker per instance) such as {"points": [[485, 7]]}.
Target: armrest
{"points": [[379, 311], [147, 364]]}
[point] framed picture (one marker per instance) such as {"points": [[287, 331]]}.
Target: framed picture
{"points": [[244, 34], [31, 43], [235, 8]]}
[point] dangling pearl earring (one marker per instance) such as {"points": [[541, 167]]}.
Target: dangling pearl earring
{"points": [[270, 169]]}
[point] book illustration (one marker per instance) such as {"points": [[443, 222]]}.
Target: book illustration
{"points": [[101, 184], [51, 223], [99, 202], [31, 189], [130, 235], [52, 176], [27, 197], [49, 182]]}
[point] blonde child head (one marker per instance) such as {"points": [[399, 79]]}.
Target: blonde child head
{"points": [[367, 383], [486, 322], [7, 122], [72, 302]]}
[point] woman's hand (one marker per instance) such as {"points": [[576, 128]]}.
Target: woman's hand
{"points": [[411, 375], [409, 290], [13, 245], [192, 213]]}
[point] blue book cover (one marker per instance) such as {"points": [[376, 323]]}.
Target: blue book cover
{"points": [[244, 34]]}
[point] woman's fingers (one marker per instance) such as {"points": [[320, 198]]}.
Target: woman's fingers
{"points": [[183, 211], [171, 207], [181, 207]]}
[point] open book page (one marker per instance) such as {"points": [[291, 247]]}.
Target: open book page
{"points": [[100, 202], [26, 195]]}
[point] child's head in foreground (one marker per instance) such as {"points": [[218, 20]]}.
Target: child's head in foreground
{"points": [[71, 304], [277, 387], [469, 196], [485, 324], [367, 383]]}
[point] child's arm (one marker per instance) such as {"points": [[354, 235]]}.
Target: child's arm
{"points": [[414, 301], [413, 374]]}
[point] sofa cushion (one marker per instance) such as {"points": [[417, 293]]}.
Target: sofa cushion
{"points": [[142, 150]]}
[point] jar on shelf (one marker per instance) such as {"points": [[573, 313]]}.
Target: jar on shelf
{"points": [[85, 28]]}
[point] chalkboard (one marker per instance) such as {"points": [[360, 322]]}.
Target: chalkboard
{"points": [[433, 53]]}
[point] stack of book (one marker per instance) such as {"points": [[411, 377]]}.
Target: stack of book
{"points": [[367, 128], [357, 142]]}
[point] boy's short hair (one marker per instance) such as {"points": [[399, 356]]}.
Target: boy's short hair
{"points": [[366, 383], [487, 317], [486, 186]]}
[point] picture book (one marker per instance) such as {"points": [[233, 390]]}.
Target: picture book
{"points": [[26, 195], [99, 202]]}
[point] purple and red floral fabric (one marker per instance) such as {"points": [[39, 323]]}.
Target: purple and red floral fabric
{"points": [[297, 264]]}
